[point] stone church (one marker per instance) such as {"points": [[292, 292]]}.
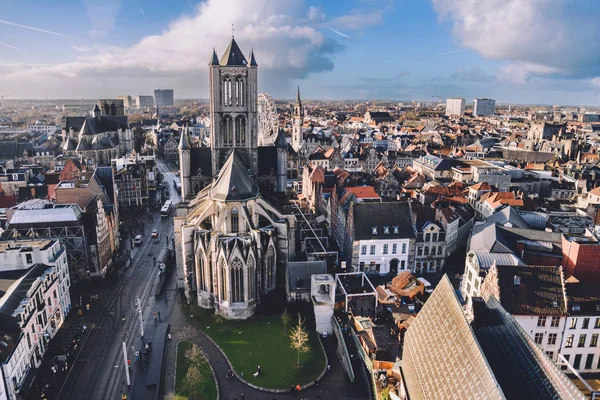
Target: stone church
{"points": [[232, 237], [97, 137]]}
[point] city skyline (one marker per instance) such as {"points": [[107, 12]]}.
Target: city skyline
{"points": [[440, 49]]}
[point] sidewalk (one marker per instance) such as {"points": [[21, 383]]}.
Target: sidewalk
{"points": [[71, 328]]}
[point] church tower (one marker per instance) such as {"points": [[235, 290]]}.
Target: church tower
{"points": [[297, 138], [184, 164], [233, 107]]}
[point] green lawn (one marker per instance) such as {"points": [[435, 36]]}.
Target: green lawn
{"points": [[260, 341], [208, 389]]}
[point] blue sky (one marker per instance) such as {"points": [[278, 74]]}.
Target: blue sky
{"points": [[516, 51]]}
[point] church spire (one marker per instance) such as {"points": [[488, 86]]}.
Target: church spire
{"points": [[214, 60], [252, 59], [298, 101]]}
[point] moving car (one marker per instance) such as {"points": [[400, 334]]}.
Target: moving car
{"points": [[155, 233], [138, 240]]}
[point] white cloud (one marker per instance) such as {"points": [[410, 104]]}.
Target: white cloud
{"points": [[596, 81], [357, 20], [315, 14], [285, 49], [102, 15], [536, 36], [521, 72]]}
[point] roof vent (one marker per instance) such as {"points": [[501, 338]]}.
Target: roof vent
{"points": [[517, 280]]}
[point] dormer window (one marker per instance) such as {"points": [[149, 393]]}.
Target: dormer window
{"points": [[576, 307], [396, 229], [374, 230], [386, 230]]}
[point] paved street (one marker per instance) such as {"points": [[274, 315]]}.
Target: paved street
{"points": [[98, 369]]}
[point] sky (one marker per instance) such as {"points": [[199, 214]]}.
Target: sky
{"points": [[514, 51]]}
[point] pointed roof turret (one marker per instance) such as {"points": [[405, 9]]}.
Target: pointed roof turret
{"points": [[252, 59], [298, 101], [233, 56], [234, 183], [214, 60], [184, 141], [281, 141]]}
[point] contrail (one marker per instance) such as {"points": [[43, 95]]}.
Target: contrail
{"points": [[340, 33], [15, 49], [144, 14], [450, 52], [31, 28]]}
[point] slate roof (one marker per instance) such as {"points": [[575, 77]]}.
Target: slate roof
{"points": [[8, 149], [393, 215], [233, 56], [521, 367], [304, 270], [584, 294], [234, 182], [201, 159], [267, 160], [540, 291], [252, 59], [95, 125], [441, 357]]}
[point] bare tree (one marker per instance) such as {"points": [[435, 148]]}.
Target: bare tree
{"points": [[299, 338], [196, 355], [192, 381], [190, 332], [285, 320], [173, 396]]}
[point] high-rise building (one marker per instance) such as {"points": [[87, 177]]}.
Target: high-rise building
{"points": [[455, 106], [484, 107], [163, 97], [144, 101]]}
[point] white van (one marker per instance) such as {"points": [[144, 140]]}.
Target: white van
{"points": [[138, 240], [427, 285]]}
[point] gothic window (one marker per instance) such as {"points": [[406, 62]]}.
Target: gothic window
{"points": [[227, 95], [240, 131], [227, 131], [237, 281], [251, 278], [270, 269], [201, 272], [223, 286], [239, 91], [235, 218]]}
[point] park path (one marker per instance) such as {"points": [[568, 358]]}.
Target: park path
{"points": [[333, 386]]}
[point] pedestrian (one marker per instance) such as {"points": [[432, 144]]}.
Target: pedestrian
{"points": [[169, 336], [159, 316], [242, 396], [87, 306], [328, 367]]}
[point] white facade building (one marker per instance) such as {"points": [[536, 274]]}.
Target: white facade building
{"points": [[380, 256], [483, 107], [455, 106], [41, 127], [32, 309]]}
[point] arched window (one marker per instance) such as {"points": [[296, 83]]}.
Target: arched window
{"points": [[227, 95], [227, 131], [269, 275], [223, 285], [240, 131], [239, 91], [237, 281], [201, 272], [251, 278], [235, 220]]}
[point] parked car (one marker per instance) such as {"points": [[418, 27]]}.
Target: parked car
{"points": [[138, 240], [428, 287]]}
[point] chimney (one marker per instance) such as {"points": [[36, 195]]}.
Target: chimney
{"points": [[479, 308]]}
